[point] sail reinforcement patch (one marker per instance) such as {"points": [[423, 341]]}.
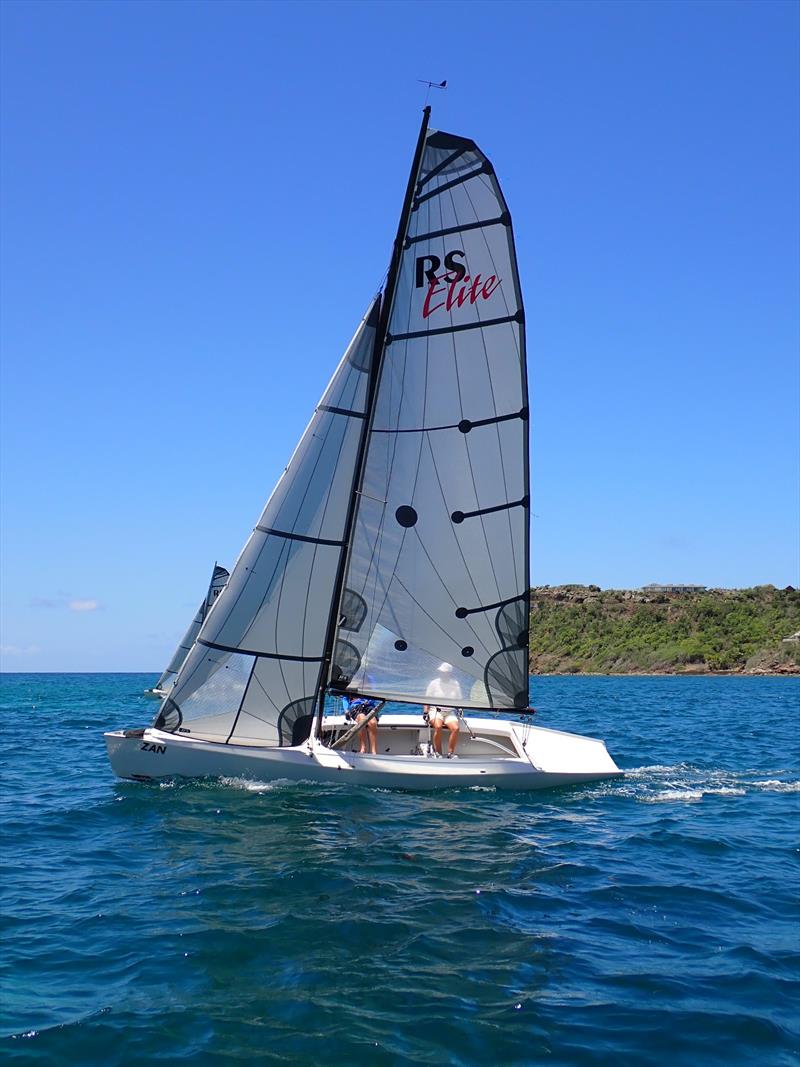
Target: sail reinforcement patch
{"points": [[406, 515]]}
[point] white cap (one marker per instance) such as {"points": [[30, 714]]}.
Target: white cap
{"points": [[445, 668]]}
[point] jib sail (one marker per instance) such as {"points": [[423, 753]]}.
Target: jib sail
{"points": [[256, 667]]}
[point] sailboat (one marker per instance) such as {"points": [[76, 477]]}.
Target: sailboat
{"points": [[219, 578], [395, 546]]}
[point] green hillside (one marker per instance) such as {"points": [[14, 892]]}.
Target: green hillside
{"points": [[579, 629]]}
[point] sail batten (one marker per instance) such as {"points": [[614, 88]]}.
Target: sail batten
{"points": [[501, 220], [479, 324]]}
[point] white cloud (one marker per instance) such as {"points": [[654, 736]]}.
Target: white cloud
{"points": [[84, 605], [16, 650]]}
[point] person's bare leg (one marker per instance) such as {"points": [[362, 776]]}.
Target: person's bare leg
{"points": [[362, 737], [372, 730], [452, 741], [437, 735]]}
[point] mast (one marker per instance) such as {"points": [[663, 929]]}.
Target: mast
{"points": [[374, 377]]}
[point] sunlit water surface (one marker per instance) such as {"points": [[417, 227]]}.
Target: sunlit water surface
{"points": [[652, 920]]}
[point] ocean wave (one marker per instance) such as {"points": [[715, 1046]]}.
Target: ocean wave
{"points": [[691, 794]]}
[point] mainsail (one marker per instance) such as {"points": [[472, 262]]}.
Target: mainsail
{"points": [[438, 568], [256, 668], [219, 577]]}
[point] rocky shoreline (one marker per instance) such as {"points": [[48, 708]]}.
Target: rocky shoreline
{"points": [[665, 630]]}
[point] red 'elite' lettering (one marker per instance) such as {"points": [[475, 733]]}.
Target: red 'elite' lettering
{"points": [[489, 286], [457, 291], [433, 288]]}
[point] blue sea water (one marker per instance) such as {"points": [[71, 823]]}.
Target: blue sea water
{"points": [[652, 920]]}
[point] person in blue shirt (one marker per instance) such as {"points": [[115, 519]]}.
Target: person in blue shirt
{"points": [[356, 710]]}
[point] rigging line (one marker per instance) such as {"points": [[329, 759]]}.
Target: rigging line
{"points": [[509, 239], [267, 722], [263, 689], [241, 702]]}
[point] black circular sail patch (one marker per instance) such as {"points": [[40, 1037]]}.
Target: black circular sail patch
{"points": [[406, 515], [400, 645]]}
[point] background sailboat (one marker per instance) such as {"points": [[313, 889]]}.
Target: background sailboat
{"points": [[397, 538], [219, 578]]}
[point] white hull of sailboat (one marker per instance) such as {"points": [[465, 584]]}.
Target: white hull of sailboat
{"points": [[500, 754]]}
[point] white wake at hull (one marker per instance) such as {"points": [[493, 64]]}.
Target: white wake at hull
{"points": [[499, 754]]}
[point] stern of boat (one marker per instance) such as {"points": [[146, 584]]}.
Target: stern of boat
{"points": [[573, 756]]}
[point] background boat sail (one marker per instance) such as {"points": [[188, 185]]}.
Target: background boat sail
{"points": [[219, 578], [397, 538]]}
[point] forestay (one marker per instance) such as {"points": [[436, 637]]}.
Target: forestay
{"points": [[219, 577], [255, 670], [438, 571]]}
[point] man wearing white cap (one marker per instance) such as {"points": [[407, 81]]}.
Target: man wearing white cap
{"points": [[444, 687]]}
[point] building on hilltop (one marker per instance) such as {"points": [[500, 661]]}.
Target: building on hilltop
{"points": [[654, 587]]}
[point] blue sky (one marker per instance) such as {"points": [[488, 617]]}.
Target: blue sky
{"points": [[199, 201]]}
